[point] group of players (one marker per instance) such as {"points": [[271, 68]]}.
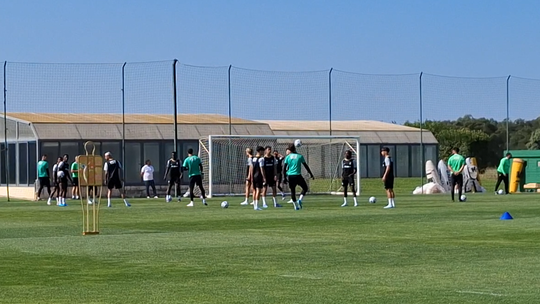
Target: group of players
{"points": [[265, 169], [63, 173]]}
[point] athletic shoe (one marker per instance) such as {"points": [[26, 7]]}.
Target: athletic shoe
{"points": [[300, 204], [251, 203], [109, 205], [244, 204], [265, 206], [168, 199], [277, 206], [356, 205], [204, 202], [344, 205], [190, 204], [257, 209], [148, 197], [388, 207], [89, 202], [290, 202], [156, 196], [127, 204], [62, 205]]}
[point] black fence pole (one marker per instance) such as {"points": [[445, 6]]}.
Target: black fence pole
{"points": [[6, 163], [330, 100], [123, 125], [175, 108], [508, 113], [421, 134]]}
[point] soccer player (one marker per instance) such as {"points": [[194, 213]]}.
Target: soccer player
{"points": [[270, 173], [56, 180], [502, 173], [44, 177], [64, 175], [113, 178], [173, 174], [348, 165], [147, 174], [456, 163], [279, 168], [75, 191], [293, 173], [388, 177], [249, 154], [193, 165], [257, 176]]}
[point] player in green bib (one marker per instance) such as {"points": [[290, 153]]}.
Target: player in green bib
{"points": [[456, 163], [75, 192], [292, 169], [44, 178], [503, 171], [193, 165]]}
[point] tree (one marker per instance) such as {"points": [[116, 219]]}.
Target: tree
{"points": [[534, 140]]}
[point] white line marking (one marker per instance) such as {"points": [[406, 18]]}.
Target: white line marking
{"points": [[482, 293], [300, 276]]}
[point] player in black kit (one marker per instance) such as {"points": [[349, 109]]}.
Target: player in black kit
{"points": [[279, 168], [113, 178], [173, 174], [388, 177], [348, 165], [270, 173], [257, 176]]}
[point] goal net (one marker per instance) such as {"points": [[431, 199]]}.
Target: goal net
{"points": [[225, 161]]}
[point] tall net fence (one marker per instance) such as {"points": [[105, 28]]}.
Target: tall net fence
{"points": [[126, 108], [267, 95], [451, 98]]}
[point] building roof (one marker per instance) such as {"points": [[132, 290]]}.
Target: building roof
{"points": [[341, 125], [26, 126], [56, 118]]}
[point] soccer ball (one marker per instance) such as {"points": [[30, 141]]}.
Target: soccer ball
{"points": [[60, 174], [463, 198], [500, 192], [224, 204], [372, 200], [298, 143]]}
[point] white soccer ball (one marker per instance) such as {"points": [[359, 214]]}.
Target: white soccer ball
{"points": [[500, 192], [60, 174], [372, 200], [298, 143], [224, 204], [463, 198]]}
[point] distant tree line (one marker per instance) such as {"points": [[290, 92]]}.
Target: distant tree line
{"points": [[483, 138]]}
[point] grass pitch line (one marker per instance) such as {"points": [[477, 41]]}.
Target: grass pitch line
{"points": [[482, 293], [299, 276]]}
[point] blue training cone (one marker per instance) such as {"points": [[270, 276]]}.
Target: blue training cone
{"points": [[506, 216]]}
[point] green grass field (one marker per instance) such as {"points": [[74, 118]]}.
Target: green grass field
{"points": [[427, 250]]}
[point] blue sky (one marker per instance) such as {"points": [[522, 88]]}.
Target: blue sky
{"points": [[450, 38]]}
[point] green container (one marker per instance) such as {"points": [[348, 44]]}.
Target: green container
{"points": [[531, 171]]}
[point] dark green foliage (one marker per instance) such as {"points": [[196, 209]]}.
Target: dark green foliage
{"points": [[485, 139]]}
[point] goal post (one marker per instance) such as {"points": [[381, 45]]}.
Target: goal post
{"points": [[225, 162]]}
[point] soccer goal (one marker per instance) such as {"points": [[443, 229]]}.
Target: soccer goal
{"points": [[225, 161]]}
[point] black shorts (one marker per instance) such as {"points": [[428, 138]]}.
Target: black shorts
{"points": [[114, 184], [44, 182], [279, 178], [389, 183], [64, 183], [174, 179], [347, 181], [195, 180], [75, 181], [258, 182], [271, 182]]}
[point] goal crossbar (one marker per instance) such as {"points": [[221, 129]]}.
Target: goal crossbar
{"points": [[352, 142]]}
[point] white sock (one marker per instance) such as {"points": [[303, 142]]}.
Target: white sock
{"points": [[392, 202], [108, 201], [389, 202], [274, 200], [264, 201], [355, 201], [204, 201], [255, 204], [345, 200], [125, 202], [301, 197]]}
